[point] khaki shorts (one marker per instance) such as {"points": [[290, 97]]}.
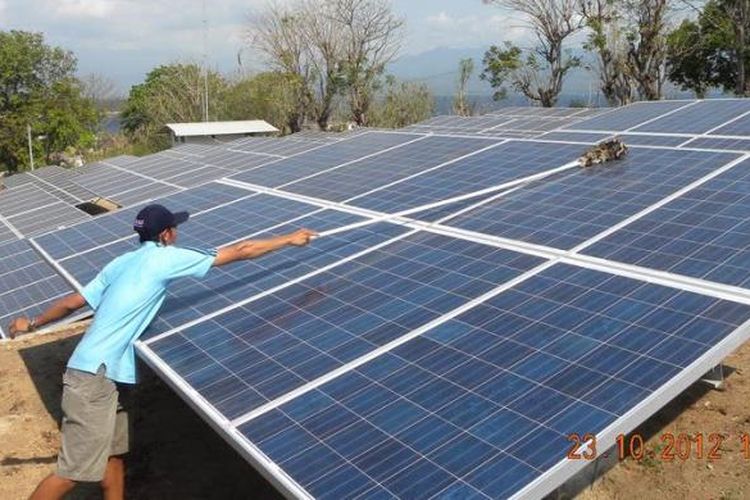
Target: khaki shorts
{"points": [[94, 425]]}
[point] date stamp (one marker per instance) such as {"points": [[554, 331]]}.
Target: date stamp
{"points": [[672, 447]]}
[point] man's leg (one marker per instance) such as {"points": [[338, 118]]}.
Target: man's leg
{"points": [[113, 485], [52, 487]]}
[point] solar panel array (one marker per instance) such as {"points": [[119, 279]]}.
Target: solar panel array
{"points": [[448, 352]]}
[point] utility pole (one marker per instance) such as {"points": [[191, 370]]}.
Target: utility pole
{"points": [[205, 63], [31, 149]]}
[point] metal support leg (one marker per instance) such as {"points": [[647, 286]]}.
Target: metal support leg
{"points": [[715, 377]]}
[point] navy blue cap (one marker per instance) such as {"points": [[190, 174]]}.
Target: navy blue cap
{"points": [[154, 219]]}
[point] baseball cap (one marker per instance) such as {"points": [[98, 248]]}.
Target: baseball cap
{"points": [[154, 219]]}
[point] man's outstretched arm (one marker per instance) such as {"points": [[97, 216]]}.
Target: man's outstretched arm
{"points": [[57, 311], [252, 249]]}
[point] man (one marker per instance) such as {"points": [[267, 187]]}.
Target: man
{"points": [[126, 295]]}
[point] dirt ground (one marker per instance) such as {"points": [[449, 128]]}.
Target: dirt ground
{"points": [[176, 455]]}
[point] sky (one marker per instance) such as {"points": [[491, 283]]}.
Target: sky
{"points": [[124, 39]]}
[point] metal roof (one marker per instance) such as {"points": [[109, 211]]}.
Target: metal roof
{"points": [[221, 128]]}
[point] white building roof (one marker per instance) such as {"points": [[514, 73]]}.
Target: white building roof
{"points": [[221, 128]]}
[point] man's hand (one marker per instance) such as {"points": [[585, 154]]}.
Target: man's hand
{"points": [[19, 325], [301, 237]]}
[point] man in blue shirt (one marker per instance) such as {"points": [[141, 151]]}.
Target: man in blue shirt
{"points": [[126, 296]]}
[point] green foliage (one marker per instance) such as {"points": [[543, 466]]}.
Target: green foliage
{"points": [[38, 88], [711, 51], [499, 66], [269, 96], [171, 93], [688, 59], [402, 104]]}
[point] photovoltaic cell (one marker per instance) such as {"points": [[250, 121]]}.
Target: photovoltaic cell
{"points": [[192, 299], [740, 127], [123, 187], [485, 403], [628, 116], [717, 143], [576, 205], [27, 283], [703, 234], [253, 354], [508, 162], [323, 158], [49, 218], [107, 228], [628, 139], [15, 201], [371, 173], [698, 118]]}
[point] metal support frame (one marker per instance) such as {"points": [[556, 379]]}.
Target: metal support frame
{"points": [[715, 377]]}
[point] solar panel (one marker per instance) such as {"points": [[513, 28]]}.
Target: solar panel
{"points": [[285, 146], [18, 179], [717, 143], [6, 233], [323, 158], [47, 219], [108, 228], [629, 116], [703, 234], [371, 173], [27, 283], [238, 160], [18, 200], [482, 404], [628, 139], [122, 160], [508, 162], [698, 118], [390, 361], [121, 186], [281, 341], [191, 299], [576, 205]]}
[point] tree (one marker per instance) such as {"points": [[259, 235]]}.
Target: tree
{"points": [[541, 73], [372, 36], [711, 51], [171, 93], [268, 96], [605, 39], [325, 51], [402, 104], [647, 42], [280, 34], [38, 89], [688, 56], [461, 104]]}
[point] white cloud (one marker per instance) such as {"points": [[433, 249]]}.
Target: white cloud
{"points": [[444, 29], [98, 9]]}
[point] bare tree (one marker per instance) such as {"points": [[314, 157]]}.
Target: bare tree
{"points": [[99, 88], [279, 33], [461, 104], [372, 35], [325, 52], [552, 22], [647, 52], [606, 40]]}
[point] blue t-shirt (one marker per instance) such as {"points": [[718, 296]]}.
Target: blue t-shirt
{"points": [[126, 295]]}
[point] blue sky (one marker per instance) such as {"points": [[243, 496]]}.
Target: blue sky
{"points": [[123, 39]]}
